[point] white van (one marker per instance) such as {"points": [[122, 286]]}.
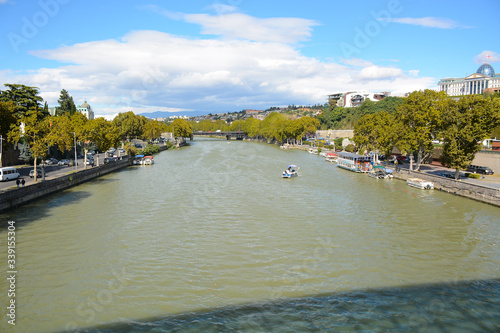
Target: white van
{"points": [[8, 173]]}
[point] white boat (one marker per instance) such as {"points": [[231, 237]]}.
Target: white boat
{"points": [[291, 171], [148, 160], [138, 159], [331, 157], [353, 162], [420, 183]]}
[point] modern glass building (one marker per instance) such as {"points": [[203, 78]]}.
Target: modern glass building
{"points": [[484, 79]]}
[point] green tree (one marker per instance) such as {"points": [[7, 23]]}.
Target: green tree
{"points": [[24, 97], [129, 125], [153, 129], [420, 116], [375, 132], [7, 121], [66, 104], [466, 123], [103, 133], [34, 131], [182, 128], [60, 133]]}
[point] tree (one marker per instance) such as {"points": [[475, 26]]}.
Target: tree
{"points": [[60, 133], [129, 125], [34, 131], [102, 133], [466, 123], [24, 97], [375, 132], [153, 129], [182, 128], [7, 121], [420, 115], [66, 104]]}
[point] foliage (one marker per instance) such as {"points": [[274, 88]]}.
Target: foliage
{"points": [[182, 129], [129, 125], [420, 116], [7, 119], [151, 149], [66, 104], [24, 97], [152, 129], [472, 175], [465, 124], [350, 148], [60, 134], [375, 132]]}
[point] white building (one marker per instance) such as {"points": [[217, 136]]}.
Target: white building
{"points": [[355, 98], [484, 79], [86, 109]]}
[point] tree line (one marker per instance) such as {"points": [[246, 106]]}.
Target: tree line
{"points": [[24, 119], [426, 116]]}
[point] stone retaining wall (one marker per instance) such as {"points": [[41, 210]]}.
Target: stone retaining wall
{"points": [[485, 194], [19, 196]]}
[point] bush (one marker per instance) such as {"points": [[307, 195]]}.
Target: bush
{"points": [[350, 148], [151, 149], [473, 175], [169, 144]]}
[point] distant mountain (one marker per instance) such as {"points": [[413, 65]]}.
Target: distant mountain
{"points": [[165, 114]]}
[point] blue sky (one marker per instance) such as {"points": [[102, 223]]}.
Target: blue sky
{"points": [[229, 55]]}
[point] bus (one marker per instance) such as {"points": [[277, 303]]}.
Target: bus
{"points": [[8, 173]]}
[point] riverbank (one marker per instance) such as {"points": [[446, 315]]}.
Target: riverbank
{"points": [[19, 196]]}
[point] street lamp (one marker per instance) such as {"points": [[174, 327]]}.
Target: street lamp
{"points": [[76, 161]]}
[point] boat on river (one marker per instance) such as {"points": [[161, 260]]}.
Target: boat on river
{"points": [[148, 160], [380, 172], [331, 157], [138, 159], [354, 162], [291, 171], [420, 183]]}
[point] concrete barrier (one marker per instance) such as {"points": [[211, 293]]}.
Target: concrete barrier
{"points": [[481, 193], [19, 196]]}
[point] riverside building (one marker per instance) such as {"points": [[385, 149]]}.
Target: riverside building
{"points": [[483, 80]]}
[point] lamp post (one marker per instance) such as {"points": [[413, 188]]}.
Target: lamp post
{"points": [[76, 161]]}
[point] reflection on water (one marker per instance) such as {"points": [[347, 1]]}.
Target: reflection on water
{"points": [[214, 226]]}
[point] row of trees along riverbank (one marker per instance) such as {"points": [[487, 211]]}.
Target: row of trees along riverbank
{"points": [[426, 116], [24, 119]]}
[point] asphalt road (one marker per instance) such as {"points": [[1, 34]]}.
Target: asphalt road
{"points": [[51, 171]]}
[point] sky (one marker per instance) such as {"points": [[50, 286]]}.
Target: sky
{"points": [[228, 55]]}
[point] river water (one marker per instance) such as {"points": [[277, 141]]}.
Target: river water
{"points": [[212, 239]]}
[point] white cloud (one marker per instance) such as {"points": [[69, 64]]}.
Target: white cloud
{"points": [[429, 22], [148, 71], [487, 56], [377, 73], [241, 26]]}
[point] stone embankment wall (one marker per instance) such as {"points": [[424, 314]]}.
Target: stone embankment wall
{"points": [[15, 197], [472, 191]]}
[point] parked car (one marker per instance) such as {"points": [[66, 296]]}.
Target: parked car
{"points": [[63, 162], [51, 161], [480, 169], [38, 173], [109, 160], [90, 162]]}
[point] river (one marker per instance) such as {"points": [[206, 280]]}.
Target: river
{"points": [[211, 239]]}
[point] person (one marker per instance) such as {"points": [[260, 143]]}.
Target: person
{"points": [[18, 182], [23, 182]]}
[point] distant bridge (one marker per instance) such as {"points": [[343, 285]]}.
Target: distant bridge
{"points": [[239, 135]]}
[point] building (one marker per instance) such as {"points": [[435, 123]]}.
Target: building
{"points": [[86, 109], [355, 98], [484, 79]]}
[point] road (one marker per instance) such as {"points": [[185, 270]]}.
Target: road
{"points": [[51, 171], [435, 169]]}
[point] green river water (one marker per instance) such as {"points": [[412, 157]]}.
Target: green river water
{"points": [[211, 239]]}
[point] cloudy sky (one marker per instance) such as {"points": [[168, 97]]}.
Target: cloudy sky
{"points": [[229, 55]]}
